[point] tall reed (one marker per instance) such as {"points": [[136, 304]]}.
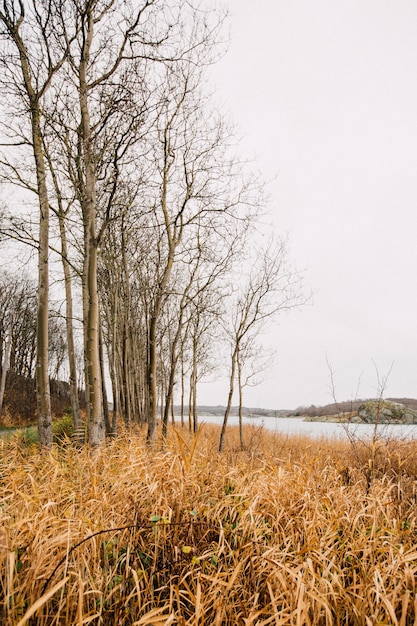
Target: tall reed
{"points": [[287, 531]]}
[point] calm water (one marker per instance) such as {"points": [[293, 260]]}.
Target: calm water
{"points": [[296, 426]]}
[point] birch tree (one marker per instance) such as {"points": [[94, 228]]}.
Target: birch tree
{"points": [[113, 71], [29, 64], [200, 192], [271, 287], [196, 292], [94, 109]]}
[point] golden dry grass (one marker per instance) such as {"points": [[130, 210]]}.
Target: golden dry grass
{"points": [[289, 531]]}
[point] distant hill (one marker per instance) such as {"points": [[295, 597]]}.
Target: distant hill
{"points": [[246, 411], [301, 411], [343, 407]]}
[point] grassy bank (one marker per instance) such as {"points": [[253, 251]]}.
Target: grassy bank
{"points": [[288, 531]]}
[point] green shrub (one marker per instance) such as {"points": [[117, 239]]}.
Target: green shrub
{"points": [[63, 427]]}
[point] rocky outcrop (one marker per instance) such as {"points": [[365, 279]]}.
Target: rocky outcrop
{"points": [[386, 412]]}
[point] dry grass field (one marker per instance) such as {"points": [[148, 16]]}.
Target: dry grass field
{"points": [[289, 531]]}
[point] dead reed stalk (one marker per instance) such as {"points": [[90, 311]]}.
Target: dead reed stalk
{"points": [[290, 533]]}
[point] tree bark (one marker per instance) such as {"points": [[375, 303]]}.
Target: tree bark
{"points": [[229, 399], [106, 414], [182, 390], [42, 358], [4, 368], [171, 379], [152, 367], [194, 378], [96, 430], [72, 359], [240, 390], [152, 387], [13, 20]]}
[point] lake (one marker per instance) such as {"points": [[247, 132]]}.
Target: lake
{"points": [[297, 426]]}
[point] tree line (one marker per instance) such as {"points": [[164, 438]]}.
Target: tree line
{"points": [[127, 175]]}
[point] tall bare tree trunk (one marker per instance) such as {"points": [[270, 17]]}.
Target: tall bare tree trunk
{"points": [[169, 396], [126, 372], [113, 373], [96, 430], [194, 379], [229, 400], [106, 414], [240, 390], [153, 392], [33, 91], [190, 402], [153, 323], [72, 359], [4, 368], [42, 359], [182, 389]]}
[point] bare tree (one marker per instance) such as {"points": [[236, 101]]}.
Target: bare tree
{"points": [[101, 74], [138, 171], [196, 290], [29, 64], [109, 82], [272, 287], [61, 209], [200, 193]]}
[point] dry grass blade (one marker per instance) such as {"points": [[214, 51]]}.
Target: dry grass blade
{"points": [[156, 617], [41, 601], [4, 543], [182, 535]]}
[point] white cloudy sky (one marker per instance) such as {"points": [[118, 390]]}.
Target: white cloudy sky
{"points": [[325, 93]]}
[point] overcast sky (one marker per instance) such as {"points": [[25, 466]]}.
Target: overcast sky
{"points": [[325, 93]]}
